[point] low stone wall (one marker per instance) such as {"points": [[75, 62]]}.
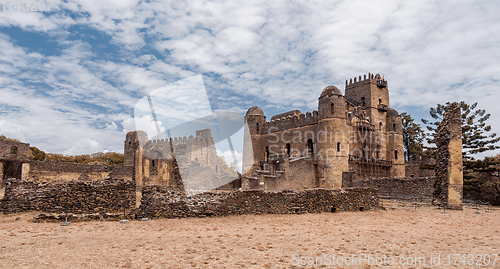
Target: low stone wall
{"points": [[76, 196], [44, 171], [159, 202], [401, 188], [419, 169]]}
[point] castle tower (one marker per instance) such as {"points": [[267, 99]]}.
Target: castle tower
{"points": [[133, 153], [395, 148], [331, 139], [253, 148], [372, 94]]}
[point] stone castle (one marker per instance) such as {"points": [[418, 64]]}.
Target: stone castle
{"points": [[353, 134], [356, 135], [345, 154]]}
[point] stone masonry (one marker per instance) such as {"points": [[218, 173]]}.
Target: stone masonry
{"points": [[160, 202], [448, 188], [73, 196], [358, 132]]}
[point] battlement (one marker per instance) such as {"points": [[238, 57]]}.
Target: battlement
{"points": [[290, 120], [181, 140], [371, 78]]}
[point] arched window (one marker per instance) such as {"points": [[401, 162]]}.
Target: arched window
{"points": [[380, 101], [394, 126], [267, 154], [395, 155], [152, 163], [338, 146], [288, 149], [363, 103], [331, 108], [380, 126], [310, 147], [257, 127]]}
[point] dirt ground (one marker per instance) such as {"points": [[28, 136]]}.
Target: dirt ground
{"points": [[397, 237]]}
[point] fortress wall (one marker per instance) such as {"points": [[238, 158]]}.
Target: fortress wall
{"points": [[41, 171], [400, 188], [297, 138], [14, 151], [76, 196], [419, 169], [300, 174], [291, 121], [164, 203]]}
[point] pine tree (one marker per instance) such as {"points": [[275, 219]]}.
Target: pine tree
{"points": [[413, 137]]}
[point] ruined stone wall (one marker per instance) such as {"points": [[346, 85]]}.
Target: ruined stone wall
{"points": [[44, 171], [14, 151], [159, 202], [419, 169], [14, 160], [409, 188], [449, 170], [75, 196], [157, 162]]}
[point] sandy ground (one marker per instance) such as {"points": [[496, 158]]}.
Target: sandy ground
{"points": [[265, 241]]}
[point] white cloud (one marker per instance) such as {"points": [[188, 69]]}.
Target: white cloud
{"points": [[11, 130], [276, 54], [83, 145]]}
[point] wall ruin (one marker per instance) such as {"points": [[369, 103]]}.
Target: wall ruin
{"points": [[72, 196], [449, 170], [407, 188], [160, 202], [14, 160], [42, 171]]}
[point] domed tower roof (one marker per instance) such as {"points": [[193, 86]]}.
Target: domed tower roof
{"points": [[255, 111], [330, 90], [391, 112]]}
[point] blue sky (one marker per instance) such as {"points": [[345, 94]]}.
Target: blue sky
{"points": [[70, 77]]}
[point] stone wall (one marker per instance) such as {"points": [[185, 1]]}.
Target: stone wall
{"points": [[449, 171], [83, 197], [43, 171], [76, 196], [283, 173], [421, 168], [410, 188], [163, 202], [14, 151]]}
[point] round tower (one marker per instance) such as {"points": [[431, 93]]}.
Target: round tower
{"points": [[253, 148], [331, 103], [331, 139]]}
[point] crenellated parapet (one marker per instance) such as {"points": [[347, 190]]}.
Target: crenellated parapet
{"points": [[370, 78], [291, 122], [199, 140]]}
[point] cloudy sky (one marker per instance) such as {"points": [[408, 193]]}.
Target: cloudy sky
{"points": [[71, 77]]}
